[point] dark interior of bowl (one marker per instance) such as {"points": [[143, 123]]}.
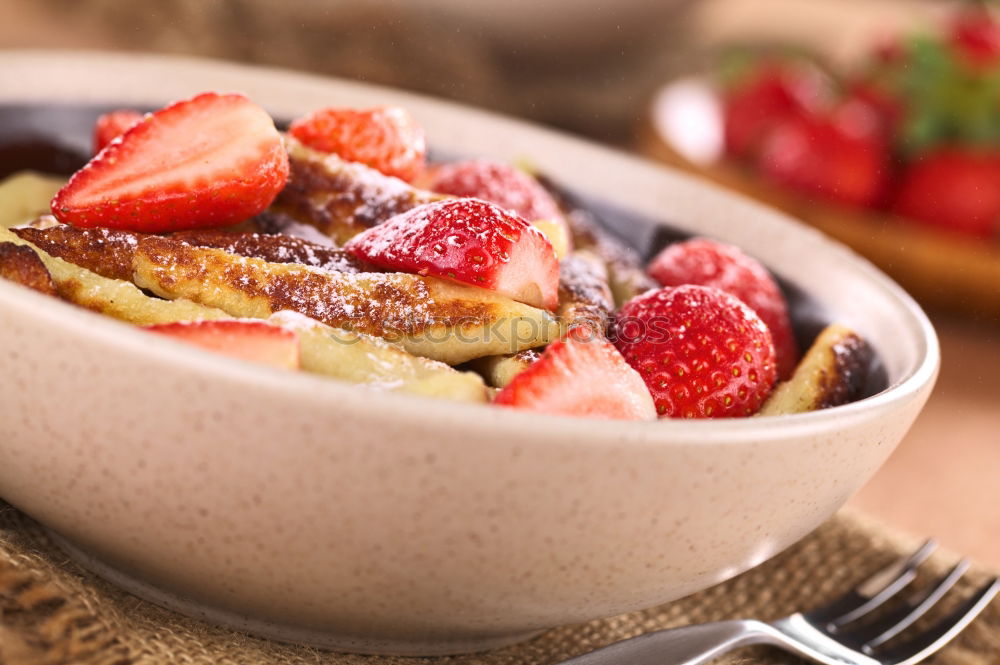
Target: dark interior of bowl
{"points": [[57, 139]]}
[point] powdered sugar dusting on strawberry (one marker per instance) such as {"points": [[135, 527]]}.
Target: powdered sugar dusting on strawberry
{"points": [[498, 183], [469, 241], [710, 263], [702, 352], [385, 138]]}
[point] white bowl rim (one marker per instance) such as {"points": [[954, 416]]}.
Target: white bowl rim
{"points": [[474, 416]]}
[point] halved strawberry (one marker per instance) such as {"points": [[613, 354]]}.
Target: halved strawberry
{"points": [[709, 263], [580, 375], [213, 160], [254, 341], [112, 125], [502, 184], [387, 138], [469, 241]]}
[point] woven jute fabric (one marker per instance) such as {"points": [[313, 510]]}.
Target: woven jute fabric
{"points": [[53, 612]]}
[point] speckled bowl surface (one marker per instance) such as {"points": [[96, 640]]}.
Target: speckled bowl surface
{"points": [[310, 510]]}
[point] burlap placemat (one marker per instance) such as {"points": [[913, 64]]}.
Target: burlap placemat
{"points": [[52, 612]]}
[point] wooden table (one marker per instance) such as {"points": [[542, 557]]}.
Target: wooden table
{"points": [[944, 479]]}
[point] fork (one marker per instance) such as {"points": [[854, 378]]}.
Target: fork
{"points": [[840, 633]]}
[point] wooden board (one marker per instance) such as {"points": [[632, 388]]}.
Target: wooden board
{"points": [[940, 269]]}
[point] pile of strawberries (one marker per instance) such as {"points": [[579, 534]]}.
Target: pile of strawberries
{"points": [[710, 343], [915, 132]]}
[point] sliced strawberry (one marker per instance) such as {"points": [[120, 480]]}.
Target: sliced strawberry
{"points": [[213, 160], [112, 125], [499, 183], [955, 189], [254, 341], [702, 352], [387, 139], [580, 375], [709, 263], [469, 241]]}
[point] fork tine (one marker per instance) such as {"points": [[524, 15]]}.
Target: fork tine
{"points": [[874, 591], [901, 618], [919, 648]]}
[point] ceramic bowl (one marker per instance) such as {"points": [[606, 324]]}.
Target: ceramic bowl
{"points": [[313, 511]]}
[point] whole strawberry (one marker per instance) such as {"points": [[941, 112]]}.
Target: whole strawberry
{"points": [[842, 156], [709, 263], [953, 188], [769, 94], [469, 241], [113, 124], [212, 160], [496, 182], [702, 352], [387, 139], [975, 36]]}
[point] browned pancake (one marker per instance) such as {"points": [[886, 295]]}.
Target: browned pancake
{"points": [[21, 265], [626, 275], [105, 251], [584, 299], [498, 371], [276, 249], [428, 316], [115, 297], [584, 295], [109, 252], [833, 371], [342, 198]]}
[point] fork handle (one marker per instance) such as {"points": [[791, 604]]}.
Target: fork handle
{"points": [[688, 645]]}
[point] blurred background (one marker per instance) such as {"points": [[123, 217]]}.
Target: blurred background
{"points": [[877, 121]]}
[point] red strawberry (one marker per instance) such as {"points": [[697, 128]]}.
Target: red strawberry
{"points": [[496, 182], [580, 375], [842, 157], [702, 352], [709, 263], [889, 110], [385, 138], [469, 241], [255, 341], [954, 189], [773, 92], [212, 160], [112, 125], [975, 35]]}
